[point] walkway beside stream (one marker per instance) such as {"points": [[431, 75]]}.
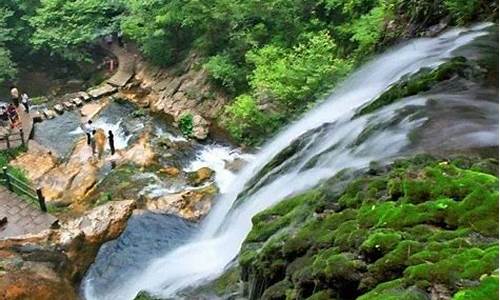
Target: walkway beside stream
{"points": [[22, 217]]}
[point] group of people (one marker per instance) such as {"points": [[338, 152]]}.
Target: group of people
{"points": [[9, 116]]}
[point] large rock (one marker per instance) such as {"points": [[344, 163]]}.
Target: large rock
{"points": [[36, 163], [50, 264], [200, 176], [201, 127], [71, 181], [183, 87], [140, 154], [191, 205]]}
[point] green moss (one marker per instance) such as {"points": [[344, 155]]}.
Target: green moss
{"points": [[380, 243], [277, 290], [392, 235], [228, 282], [394, 290], [420, 82], [321, 295], [486, 290]]}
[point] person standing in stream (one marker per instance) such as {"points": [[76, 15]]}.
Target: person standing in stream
{"points": [[88, 128]]}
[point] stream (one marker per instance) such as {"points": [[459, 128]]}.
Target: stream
{"points": [[165, 255]]}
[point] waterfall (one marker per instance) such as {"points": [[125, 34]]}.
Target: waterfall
{"points": [[326, 140]]}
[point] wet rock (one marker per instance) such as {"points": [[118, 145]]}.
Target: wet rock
{"points": [[90, 110], [140, 154], [37, 116], [191, 205], [59, 108], [68, 105], [170, 171], [84, 96], [49, 114], [235, 165], [200, 176], [77, 101], [80, 239]]}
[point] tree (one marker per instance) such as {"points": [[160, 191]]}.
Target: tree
{"points": [[66, 27]]}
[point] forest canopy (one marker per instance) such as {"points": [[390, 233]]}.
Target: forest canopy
{"points": [[275, 58]]}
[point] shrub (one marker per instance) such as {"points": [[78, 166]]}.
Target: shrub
{"points": [[224, 72], [462, 11], [298, 76], [246, 123], [186, 124]]}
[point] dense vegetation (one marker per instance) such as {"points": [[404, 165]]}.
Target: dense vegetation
{"points": [[275, 58], [423, 227]]}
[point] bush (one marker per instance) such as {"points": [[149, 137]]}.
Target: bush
{"points": [[462, 11], [186, 124], [298, 76], [246, 123], [225, 73]]}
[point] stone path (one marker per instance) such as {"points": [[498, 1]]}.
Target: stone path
{"points": [[126, 66], [22, 217]]}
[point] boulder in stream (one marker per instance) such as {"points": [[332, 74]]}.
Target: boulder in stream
{"points": [[191, 204], [59, 108], [200, 176]]}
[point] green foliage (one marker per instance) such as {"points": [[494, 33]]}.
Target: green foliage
{"points": [[440, 229], [186, 124], [7, 66], [297, 76], [225, 72], [65, 27], [246, 122], [463, 11]]}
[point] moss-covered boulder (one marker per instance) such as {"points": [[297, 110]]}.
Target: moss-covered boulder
{"points": [[422, 228]]}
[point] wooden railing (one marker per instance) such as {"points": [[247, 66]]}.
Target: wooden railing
{"points": [[20, 187]]}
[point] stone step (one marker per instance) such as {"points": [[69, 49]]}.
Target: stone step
{"points": [[104, 90]]}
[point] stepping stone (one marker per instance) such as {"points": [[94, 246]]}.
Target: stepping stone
{"points": [[84, 96], [36, 116], [49, 114], [102, 91], [68, 105], [59, 108], [77, 101]]}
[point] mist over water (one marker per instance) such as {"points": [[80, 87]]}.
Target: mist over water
{"points": [[324, 141]]}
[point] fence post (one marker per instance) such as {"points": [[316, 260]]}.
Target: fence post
{"points": [[7, 141], [111, 142], [21, 133], [7, 179], [41, 200]]}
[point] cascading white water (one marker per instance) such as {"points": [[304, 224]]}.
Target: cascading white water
{"points": [[329, 139]]}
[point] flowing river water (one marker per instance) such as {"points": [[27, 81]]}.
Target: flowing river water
{"points": [[171, 256]]}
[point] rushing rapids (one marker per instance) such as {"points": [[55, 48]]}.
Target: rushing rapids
{"points": [[326, 140]]}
